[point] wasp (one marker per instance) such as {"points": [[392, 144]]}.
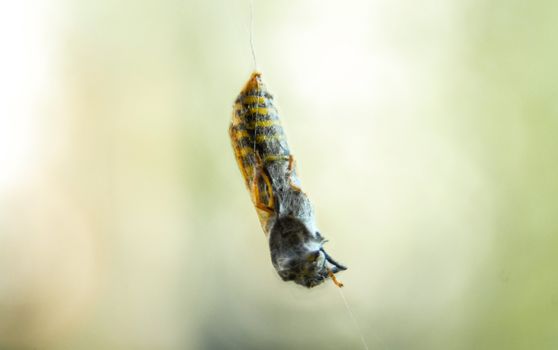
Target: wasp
{"points": [[269, 171]]}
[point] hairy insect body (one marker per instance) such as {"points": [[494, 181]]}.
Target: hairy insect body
{"points": [[268, 168]]}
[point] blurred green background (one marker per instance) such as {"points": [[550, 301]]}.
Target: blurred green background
{"points": [[425, 134]]}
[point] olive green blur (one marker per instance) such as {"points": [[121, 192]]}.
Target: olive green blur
{"points": [[426, 134]]}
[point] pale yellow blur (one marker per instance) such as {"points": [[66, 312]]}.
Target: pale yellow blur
{"points": [[425, 134]]}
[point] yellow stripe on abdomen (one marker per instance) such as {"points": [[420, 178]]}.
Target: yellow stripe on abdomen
{"points": [[238, 134], [244, 151], [262, 123], [258, 110], [253, 99]]}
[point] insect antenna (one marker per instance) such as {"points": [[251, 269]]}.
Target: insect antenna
{"points": [[333, 262]]}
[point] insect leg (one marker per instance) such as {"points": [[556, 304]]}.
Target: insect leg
{"points": [[334, 279], [337, 266]]}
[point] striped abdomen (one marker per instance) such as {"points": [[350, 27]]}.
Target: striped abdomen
{"points": [[256, 132], [258, 141]]}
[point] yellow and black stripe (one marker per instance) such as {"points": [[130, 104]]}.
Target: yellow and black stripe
{"points": [[255, 130], [258, 141]]}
